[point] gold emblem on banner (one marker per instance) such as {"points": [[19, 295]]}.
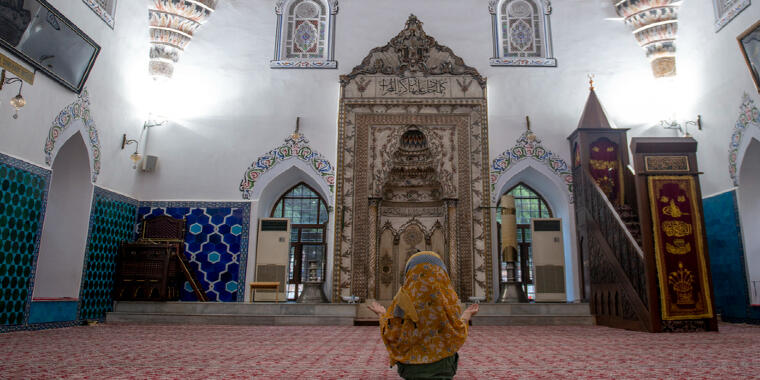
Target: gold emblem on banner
{"points": [[676, 228], [679, 247], [672, 210], [681, 281], [603, 165]]}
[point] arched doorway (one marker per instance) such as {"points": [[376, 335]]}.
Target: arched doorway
{"points": [[529, 204], [308, 216], [64, 232], [749, 206]]}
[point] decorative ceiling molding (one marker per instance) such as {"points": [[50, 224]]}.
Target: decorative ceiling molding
{"points": [[412, 52], [655, 27], [280, 5], [172, 26]]}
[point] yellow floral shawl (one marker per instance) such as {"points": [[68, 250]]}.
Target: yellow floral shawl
{"points": [[422, 324]]}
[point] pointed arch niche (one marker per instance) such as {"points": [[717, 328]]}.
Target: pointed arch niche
{"points": [[75, 117], [272, 175], [305, 34], [64, 232], [547, 174], [521, 33]]}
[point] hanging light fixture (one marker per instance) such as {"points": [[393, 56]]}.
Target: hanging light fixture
{"points": [[17, 101]]}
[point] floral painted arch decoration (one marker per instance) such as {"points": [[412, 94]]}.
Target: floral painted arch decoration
{"points": [[529, 146], [295, 146], [748, 116], [79, 110]]}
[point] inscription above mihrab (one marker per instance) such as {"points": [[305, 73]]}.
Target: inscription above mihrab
{"points": [[401, 87]]}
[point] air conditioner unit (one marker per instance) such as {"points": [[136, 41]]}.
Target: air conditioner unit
{"points": [[272, 255], [548, 259]]}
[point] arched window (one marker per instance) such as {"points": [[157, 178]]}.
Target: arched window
{"points": [[305, 34], [308, 213], [726, 10], [521, 33], [528, 205]]}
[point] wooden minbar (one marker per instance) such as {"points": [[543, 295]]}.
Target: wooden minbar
{"points": [[670, 207]]}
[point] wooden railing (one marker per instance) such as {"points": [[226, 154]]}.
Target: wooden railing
{"points": [[618, 276]]}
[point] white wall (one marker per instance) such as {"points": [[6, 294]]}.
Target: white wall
{"points": [[227, 106], [67, 217], [749, 207]]}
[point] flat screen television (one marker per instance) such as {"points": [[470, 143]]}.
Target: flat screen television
{"points": [[36, 32]]}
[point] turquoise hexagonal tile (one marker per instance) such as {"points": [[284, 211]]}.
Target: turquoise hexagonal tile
{"points": [[236, 229], [214, 257], [196, 228], [231, 286]]}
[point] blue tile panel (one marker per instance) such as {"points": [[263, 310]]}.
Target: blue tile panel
{"points": [[53, 311], [724, 242], [23, 197], [216, 244], [112, 221]]}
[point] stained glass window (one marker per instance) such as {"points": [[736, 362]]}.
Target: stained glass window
{"points": [[522, 34], [308, 216], [726, 10], [305, 33]]}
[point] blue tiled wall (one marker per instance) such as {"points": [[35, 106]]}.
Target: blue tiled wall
{"points": [[53, 311], [724, 241], [23, 197], [112, 221], [216, 244]]}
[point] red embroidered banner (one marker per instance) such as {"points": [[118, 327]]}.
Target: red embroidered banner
{"points": [[679, 248], [605, 168]]}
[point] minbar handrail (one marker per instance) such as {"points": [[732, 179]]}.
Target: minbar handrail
{"points": [[612, 210]]}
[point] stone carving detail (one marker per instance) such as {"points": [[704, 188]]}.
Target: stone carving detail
{"points": [[409, 54], [424, 159]]}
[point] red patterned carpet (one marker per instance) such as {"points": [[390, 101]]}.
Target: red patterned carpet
{"points": [[227, 352]]}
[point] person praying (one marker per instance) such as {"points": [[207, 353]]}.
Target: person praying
{"points": [[424, 327]]}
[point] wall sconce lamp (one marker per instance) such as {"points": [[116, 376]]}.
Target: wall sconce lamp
{"points": [[150, 123], [17, 101], [673, 124], [135, 157]]}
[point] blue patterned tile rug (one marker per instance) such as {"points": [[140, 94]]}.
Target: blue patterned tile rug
{"points": [[23, 198], [112, 221], [216, 244]]}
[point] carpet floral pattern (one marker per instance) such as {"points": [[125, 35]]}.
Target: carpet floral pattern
{"points": [[300, 352]]}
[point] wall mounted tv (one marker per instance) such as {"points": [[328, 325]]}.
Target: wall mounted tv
{"points": [[39, 34]]}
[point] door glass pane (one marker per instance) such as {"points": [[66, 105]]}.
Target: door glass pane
{"points": [[291, 262], [311, 235], [322, 213], [313, 262], [294, 234]]}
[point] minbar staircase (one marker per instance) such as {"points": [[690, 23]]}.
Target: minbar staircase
{"points": [[616, 230]]}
